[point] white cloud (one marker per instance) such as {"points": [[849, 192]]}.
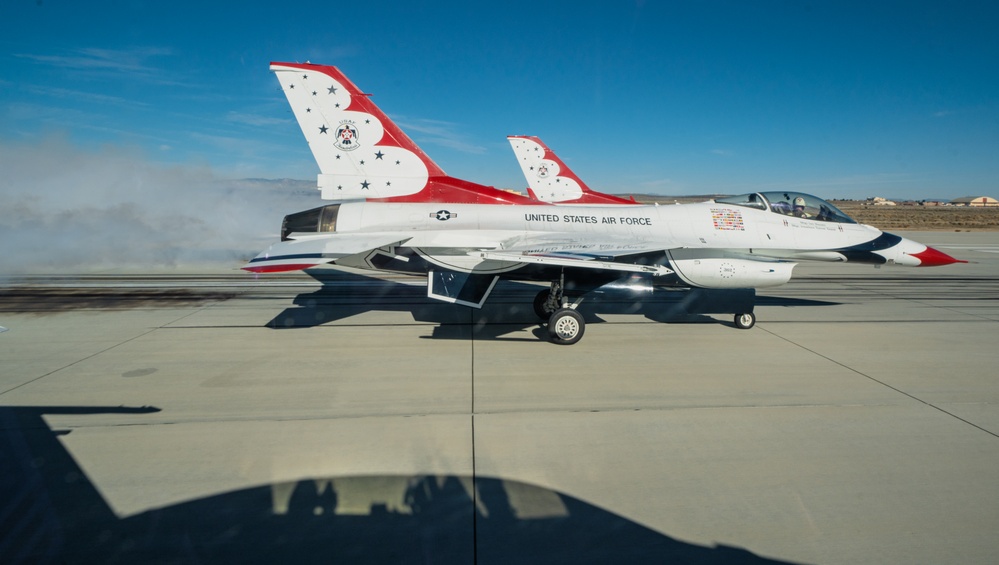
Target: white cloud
{"points": [[100, 63], [79, 95], [256, 119], [440, 133], [92, 58]]}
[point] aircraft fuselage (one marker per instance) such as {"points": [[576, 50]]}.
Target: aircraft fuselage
{"points": [[707, 245]]}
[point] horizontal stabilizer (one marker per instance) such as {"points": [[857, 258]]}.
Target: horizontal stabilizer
{"points": [[303, 252]]}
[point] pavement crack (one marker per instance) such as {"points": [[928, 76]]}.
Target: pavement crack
{"points": [[882, 383], [95, 354]]}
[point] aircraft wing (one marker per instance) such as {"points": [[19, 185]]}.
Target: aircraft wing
{"points": [[603, 253], [699, 267], [575, 260], [307, 251]]}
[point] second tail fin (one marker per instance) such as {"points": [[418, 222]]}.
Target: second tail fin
{"points": [[551, 180]]}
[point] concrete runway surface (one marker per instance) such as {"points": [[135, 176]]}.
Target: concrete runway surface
{"points": [[217, 416]]}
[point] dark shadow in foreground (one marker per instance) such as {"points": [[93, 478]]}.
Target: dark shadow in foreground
{"points": [[51, 513]]}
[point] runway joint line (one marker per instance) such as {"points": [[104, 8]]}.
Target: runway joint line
{"points": [[882, 383]]}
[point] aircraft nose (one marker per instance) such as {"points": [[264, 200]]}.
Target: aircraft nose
{"points": [[914, 254], [934, 258]]}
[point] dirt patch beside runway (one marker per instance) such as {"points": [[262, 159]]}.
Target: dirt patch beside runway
{"points": [[910, 217], [923, 218]]}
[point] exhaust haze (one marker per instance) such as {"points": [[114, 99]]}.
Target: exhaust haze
{"points": [[64, 209]]}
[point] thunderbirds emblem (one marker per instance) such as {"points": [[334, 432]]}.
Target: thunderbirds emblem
{"points": [[542, 171], [346, 138]]}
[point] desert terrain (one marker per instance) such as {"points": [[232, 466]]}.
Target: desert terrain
{"points": [[922, 218], [910, 217]]}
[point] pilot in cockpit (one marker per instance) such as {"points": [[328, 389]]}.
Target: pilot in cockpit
{"points": [[799, 208]]}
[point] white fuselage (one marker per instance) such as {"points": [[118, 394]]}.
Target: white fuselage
{"points": [[690, 226], [709, 244]]}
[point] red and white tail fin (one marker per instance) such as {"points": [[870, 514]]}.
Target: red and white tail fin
{"points": [[551, 180], [361, 152]]}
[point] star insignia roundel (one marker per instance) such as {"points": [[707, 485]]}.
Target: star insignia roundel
{"points": [[443, 215]]}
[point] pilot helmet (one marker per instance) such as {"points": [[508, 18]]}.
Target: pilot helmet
{"points": [[799, 201]]}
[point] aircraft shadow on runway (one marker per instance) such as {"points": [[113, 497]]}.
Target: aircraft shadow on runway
{"points": [[50, 512], [509, 308]]}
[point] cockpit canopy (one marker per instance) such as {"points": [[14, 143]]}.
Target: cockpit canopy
{"points": [[791, 204]]}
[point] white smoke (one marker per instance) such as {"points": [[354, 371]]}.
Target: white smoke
{"points": [[63, 209]]}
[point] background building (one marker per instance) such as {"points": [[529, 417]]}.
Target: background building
{"points": [[976, 201]]}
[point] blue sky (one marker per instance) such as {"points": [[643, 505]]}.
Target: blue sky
{"points": [[840, 99]]}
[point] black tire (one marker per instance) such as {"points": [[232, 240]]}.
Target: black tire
{"points": [[745, 321], [566, 326], [541, 305]]}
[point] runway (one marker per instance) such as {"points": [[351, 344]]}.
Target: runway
{"points": [[210, 415]]}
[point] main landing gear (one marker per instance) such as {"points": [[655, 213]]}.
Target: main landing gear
{"points": [[565, 324]]}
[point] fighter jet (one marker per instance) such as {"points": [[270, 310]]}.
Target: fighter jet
{"points": [[396, 210], [551, 180]]}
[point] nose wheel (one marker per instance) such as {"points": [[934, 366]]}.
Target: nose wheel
{"points": [[745, 321]]}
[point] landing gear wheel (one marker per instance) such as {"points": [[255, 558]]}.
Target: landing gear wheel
{"points": [[566, 326], [745, 321], [541, 306]]}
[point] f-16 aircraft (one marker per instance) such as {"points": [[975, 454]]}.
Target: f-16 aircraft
{"points": [[551, 180], [396, 210]]}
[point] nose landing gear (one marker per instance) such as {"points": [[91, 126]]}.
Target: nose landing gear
{"points": [[745, 321]]}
